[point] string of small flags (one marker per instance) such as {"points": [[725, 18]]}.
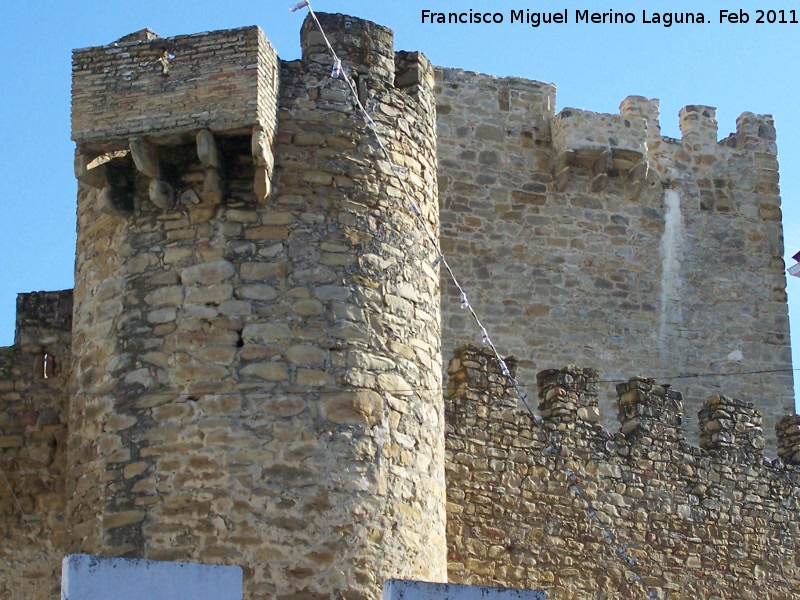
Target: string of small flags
{"points": [[338, 71]]}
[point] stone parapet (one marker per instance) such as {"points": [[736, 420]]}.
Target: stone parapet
{"points": [[221, 80], [650, 410], [587, 135], [565, 394], [34, 403], [788, 430], [470, 369], [730, 425], [698, 126], [365, 48], [698, 522]]}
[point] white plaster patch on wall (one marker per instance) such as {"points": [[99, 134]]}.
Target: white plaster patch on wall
{"points": [[85, 577], [735, 355], [671, 258]]}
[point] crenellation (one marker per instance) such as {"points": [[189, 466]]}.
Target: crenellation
{"points": [[698, 128], [652, 411], [581, 205], [414, 73], [788, 430], [119, 95], [756, 133], [699, 523], [365, 48], [647, 109], [587, 134], [730, 425], [569, 394]]}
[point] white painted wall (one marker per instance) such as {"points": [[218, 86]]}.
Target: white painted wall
{"points": [[85, 577], [396, 589]]}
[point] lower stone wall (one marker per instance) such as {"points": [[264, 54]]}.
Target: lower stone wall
{"points": [[714, 522], [33, 430]]}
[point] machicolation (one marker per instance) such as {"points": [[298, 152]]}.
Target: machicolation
{"points": [[249, 369]]}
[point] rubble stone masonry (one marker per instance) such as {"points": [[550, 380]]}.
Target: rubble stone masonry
{"points": [[249, 369], [33, 445], [716, 521], [590, 238], [257, 366]]}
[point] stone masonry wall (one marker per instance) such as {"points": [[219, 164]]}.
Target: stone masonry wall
{"points": [[256, 374], [143, 84], [719, 521], [591, 238], [33, 431]]}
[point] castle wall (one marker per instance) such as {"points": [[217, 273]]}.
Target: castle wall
{"points": [[33, 432], [586, 237], [257, 360], [144, 84], [717, 521]]}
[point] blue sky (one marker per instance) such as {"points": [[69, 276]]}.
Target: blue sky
{"points": [[734, 67]]}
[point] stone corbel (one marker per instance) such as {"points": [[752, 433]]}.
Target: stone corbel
{"points": [[634, 181], [600, 169], [94, 172], [264, 162], [209, 155], [145, 158], [561, 167], [90, 170]]}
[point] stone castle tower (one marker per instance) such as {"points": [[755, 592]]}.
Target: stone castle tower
{"points": [[257, 367], [255, 354]]}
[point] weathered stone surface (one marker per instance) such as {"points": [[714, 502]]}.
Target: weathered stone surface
{"points": [[542, 205], [306, 355], [208, 273], [269, 371], [514, 519], [231, 353], [257, 292], [33, 444]]}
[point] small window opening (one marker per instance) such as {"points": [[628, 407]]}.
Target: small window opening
{"points": [[48, 365], [360, 82]]}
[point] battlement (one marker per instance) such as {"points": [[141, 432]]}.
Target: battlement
{"points": [[699, 522], [146, 107], [588, 135], [41, 313], [365, 48], [630, 144], [598, 232], [649, 413], [649, 410]]}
